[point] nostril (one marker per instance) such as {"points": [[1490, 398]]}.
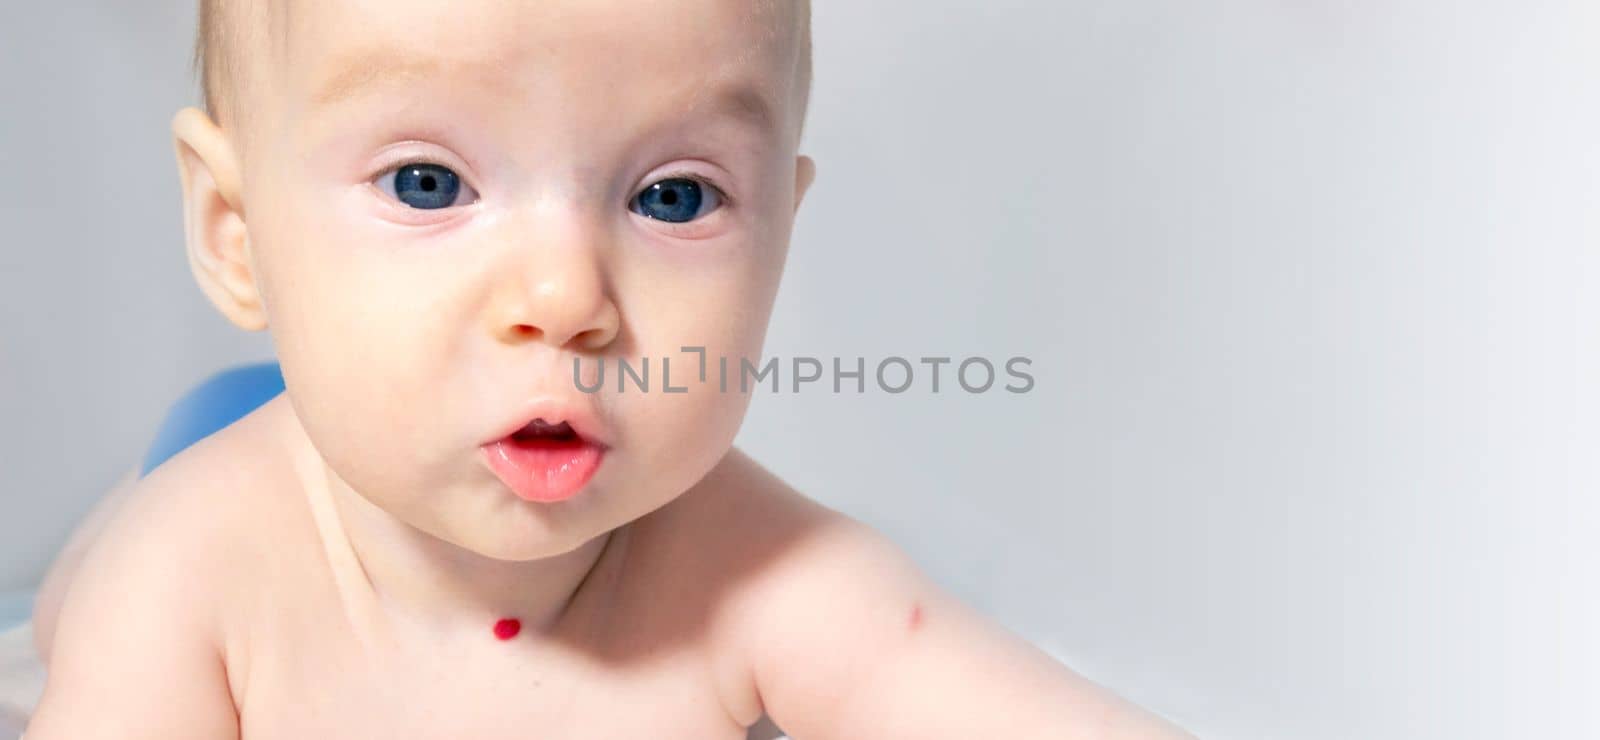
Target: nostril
{"points": [[589, 338], [524, 330]]}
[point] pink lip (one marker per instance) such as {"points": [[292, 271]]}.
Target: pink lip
{"points": [[547, 470], [544, 470]]}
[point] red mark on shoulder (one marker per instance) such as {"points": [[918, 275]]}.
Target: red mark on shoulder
{"points": [[506, 629], [916, 616]]}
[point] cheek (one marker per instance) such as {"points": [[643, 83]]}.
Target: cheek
{"points": [[716, 294], [722, 308], [358, 338], [674, 439], [357, 300]]}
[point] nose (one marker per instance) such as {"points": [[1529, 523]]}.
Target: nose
{"points": [[551, 286]]}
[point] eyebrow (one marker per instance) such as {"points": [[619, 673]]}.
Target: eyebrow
{"points": [[742, 101], [738, 98], [368, 72]]}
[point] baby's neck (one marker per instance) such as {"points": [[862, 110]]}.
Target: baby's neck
{"points": [[425, 579], [389, 573]]}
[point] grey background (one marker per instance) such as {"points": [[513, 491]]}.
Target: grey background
{"points": [[1306, 286]]}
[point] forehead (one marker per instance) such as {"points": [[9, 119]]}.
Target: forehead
{"points": [[338, 50]]}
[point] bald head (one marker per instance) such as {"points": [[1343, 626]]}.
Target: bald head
{"points": [[227, 33], [233, 36]]}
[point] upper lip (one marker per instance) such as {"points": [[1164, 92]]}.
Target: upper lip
{"points": [[556, 410]]}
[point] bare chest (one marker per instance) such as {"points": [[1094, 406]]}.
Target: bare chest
{"points": [[297, 686]]}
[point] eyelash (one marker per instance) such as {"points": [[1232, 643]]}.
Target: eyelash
{"points": [[389, 169], [722, 193]]}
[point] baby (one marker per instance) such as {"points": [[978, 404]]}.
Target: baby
{"points": [[452, 216]]}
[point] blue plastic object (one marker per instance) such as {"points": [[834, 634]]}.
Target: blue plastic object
{"points": [[215, 403], [15, 608]]}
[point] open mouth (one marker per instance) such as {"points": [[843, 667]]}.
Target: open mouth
{"points": [[540, 430], [544, 461]]}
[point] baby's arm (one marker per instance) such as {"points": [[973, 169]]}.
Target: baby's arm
{"points": [[857, 642], [137, 649]]}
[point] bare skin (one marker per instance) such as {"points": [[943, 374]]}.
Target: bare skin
{"points": [[334, 563], [740, 597], [47, 602]]}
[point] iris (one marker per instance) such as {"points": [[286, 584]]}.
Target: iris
{"points": [[675, 200], [426, 186]]}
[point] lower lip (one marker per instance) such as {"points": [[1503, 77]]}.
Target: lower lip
{"points": [[543, 470]]}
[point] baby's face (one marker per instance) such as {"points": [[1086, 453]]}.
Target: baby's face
{"points": [[448, 203]]}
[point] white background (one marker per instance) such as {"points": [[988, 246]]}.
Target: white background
{"points": [[1307, 288]]}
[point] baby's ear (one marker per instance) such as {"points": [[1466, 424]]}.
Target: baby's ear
{"points": [[805, 173], [213, 219]]}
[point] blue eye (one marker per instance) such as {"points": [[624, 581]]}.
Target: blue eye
{"points": [[676, 200], [426, 186]]}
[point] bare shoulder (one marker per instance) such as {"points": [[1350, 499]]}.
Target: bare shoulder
{"points": [[792, 550], [841, 634], [160, 586], [712, 567], [803, 576], [209, 519], [225, 494], [763, 543]]}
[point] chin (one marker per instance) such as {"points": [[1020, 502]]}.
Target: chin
{"points": [[521, 545]]}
